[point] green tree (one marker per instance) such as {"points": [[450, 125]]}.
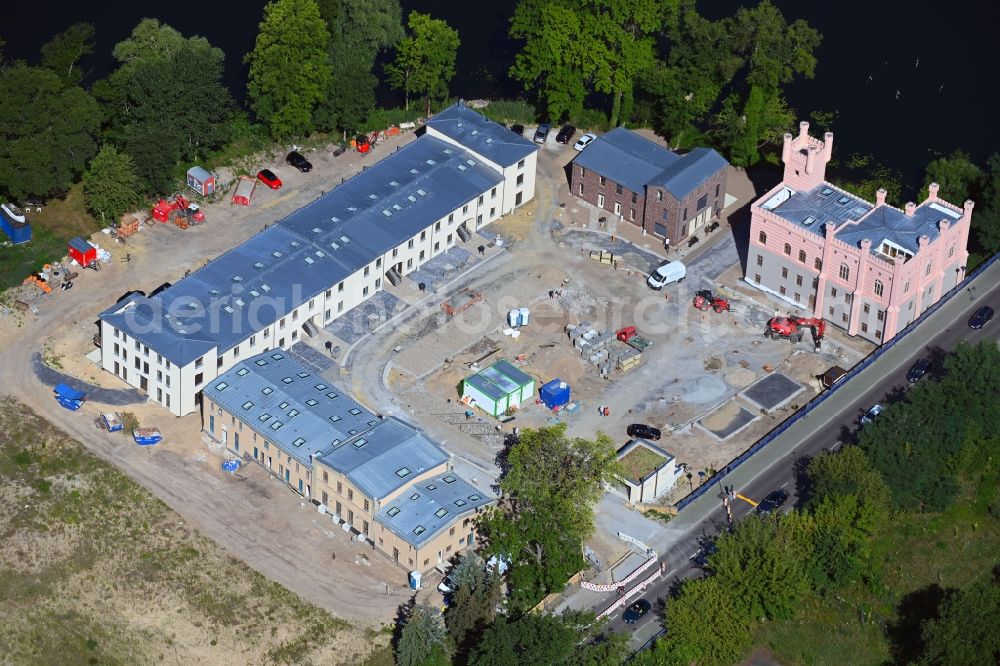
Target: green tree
{"points": [[63, 52], [549, 488], [967, 630], [165, 103], [423, 640], [958, 177], [706, 624], [542, 638], [986, 217], [360, 30], [861, 175], [847, 472], [47, 134], [289, 71], [110, 185], [425, 59]]}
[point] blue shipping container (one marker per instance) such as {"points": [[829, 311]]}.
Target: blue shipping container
{"points": [[12, 222], [555, 393]]}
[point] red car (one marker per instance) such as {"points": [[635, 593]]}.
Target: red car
{"points": [[267, 177]]}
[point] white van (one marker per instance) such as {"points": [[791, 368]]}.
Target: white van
{"points": [[670, 271]]}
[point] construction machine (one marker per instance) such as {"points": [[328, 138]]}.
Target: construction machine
{"points": [[791, 328], [705, 300]]}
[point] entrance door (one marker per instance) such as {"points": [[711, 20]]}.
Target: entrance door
{"points": [[440, 556], [143, 384], [288, 476], [269, 462], [395, 555], [300, 487], [517, 198], [225, 436]]}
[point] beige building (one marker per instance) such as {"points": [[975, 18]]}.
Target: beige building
{"points": [[380, 476]]}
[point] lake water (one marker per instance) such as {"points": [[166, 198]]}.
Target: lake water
{"points": [[909, 80]]}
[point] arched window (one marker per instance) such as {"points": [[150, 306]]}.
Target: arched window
{"points": [[802, 256], [845, 272], [878, 287], [788, 249], [763, 238]]}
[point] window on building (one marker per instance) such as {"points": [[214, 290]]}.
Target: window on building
{"points": [[845, 272], [618, 188], [760, 260], [788, 249], [364, 292], [604, 181], [784, 272], [493, 193], [867, 308], [717, 186], [879, 288], [802, 256], [702, 202], [881, 315], [350, 494], [659, 195], [798, 298], [782, 290], [756, 278], [520, 165], [833, 292], [520, 181], [340, 488], [927, 271], [480, 199], [818, 264], [199, 363], [951, 251], [844, 317], [864, 327], [831, 312], [635, 198], [798, 280], [762, 237], [906, 287], [366, 505]]}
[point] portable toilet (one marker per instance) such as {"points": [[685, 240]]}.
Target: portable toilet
{"points": [[414, 580], [513, 318], [524, 314], [201, 180]]}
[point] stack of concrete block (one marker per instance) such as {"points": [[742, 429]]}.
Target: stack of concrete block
{"points": [[598, 357], [629, 358]]}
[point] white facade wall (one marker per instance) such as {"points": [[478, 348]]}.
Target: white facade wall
{"points": [[176, 387]]}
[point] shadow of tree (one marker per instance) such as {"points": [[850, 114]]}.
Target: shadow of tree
{"points": [[906, 642]]}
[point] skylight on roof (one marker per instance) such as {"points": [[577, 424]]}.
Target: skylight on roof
{"points": [[292, 413], [302, 374], [317, 230], [228, 308], [431, 162], [372, 197], [352, 433], [414, 497], [214, 292], [276, 425], [287, 380], [264, 287], [461, 167], [448, 151], [334, 245], [475, 497], [419, 529], [310, 261], [448, 479], [470, 162], [432, 487], [475, 132], [460, 502], [809, 220], [283, 405], [421, 192], [261, 362], [254, 293], [345, 239], [335, 418], [332, 394], [320, 253], [361, 442], [412, 198], [239, 302], [237, 278], [298, 441], [353, 209], [258, 265], [295, 243], [267, 390], [277, 357], [263, 418], [355, 411], [825, 192], [247, 405], [394, 183], [312, 402], [242, 372], [843, 200], [489, 140], [392, 511], [397, 207], [221, 386], [441, 513], [386, 212], [403, 472], [320, 387], [335, 219], [414, 171]]}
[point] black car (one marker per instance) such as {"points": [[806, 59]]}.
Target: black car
{"points": [[296, 160], [517, 129], [701, 557], [772, 502], [542, 133], [980, 317], [565, 134], [643, 431], [918, 370], [636, 610]]}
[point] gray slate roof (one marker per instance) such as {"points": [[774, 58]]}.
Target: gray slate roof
{"points": [[691, 170], [482, 135], [305, 253], [625, 157], [823, 204], [892, 224], [315, 416], [424, 509]]}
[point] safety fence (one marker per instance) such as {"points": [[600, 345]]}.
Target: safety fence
{"points": [[611, 587], [819, 399], [641, 587]]}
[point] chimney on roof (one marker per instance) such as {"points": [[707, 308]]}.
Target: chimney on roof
{"points": [[828, 146], [880, 196], [943, 225], [932, 191], [804, 129], [910, 208], [786, 148]]}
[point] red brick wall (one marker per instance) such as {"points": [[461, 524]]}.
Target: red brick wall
{"points": [[592, 187]]}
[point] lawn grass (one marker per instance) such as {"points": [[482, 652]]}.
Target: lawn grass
{"points": [[638, 463], [923, 553], [96, 570]]}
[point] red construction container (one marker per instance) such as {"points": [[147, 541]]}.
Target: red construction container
{"points": [[82, 252], [244, 191]]}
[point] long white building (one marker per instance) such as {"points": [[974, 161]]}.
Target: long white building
{"points": [[322, 260]]}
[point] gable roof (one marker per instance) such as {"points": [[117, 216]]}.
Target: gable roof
{"points": [[691, 170], [425, 509], [290, 406], [815, 208], [306, 252], [481, 135], [625, 157]]}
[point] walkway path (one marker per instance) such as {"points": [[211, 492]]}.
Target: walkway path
{"points": [[117, 397]]}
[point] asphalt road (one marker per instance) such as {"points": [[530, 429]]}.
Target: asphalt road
{"points": [[705, 518]]}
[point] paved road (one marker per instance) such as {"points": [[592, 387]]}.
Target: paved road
{"points": [[774, 467]]}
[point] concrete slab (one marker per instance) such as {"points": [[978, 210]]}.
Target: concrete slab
{"points": [[631, 562], [317, 361], [442, 268], [363, 319], [727, 420], [771, 392]]}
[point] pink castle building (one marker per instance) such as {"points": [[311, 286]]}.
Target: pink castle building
{"points": [[868, 268]]}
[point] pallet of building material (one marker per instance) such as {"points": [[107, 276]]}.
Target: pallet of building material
{"points": [[603, 256], [605, 368], [626, 364], [640, 343], [597, 358], [581, 343]]}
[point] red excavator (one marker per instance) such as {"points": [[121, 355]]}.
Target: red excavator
{"points": [[791, 328], [706, 300]]}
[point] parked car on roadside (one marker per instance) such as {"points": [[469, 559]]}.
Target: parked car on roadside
{"points": [[981, 317], [772, 502], [872, 413], [565, 134], [636, 611], [918, 370], [584, 141], [296, 160], [267, 177], [643, 431], [542, 133], [670, 271]]}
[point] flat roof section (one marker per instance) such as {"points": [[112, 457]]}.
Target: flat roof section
{"points": [[812, 209], [772, 391], [424, 509]]}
